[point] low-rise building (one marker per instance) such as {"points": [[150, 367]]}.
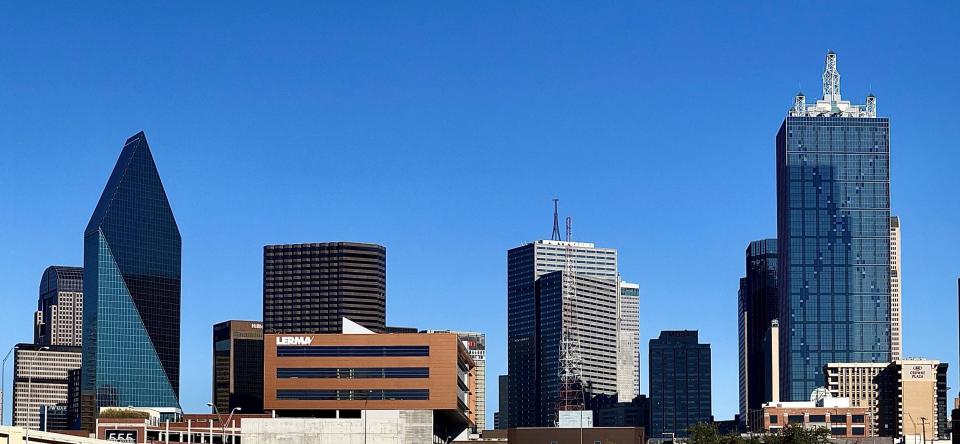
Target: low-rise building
{"points": [[835, 414], [858, 382], [190, 428], [905, 398], [559, 435], [346, 376]]}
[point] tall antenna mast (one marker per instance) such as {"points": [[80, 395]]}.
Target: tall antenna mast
{"points": [[571, 387], [831, 78], [556, 221]]}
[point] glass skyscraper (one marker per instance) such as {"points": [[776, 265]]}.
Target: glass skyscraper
{"points": [[131, 282], [679, 383], [833, 231], [758, 308], [238, 366]]}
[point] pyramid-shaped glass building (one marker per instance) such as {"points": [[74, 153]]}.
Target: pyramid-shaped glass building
{"points": [[131, 319]]}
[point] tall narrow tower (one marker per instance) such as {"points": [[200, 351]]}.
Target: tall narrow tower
{"points": [[131, 288], [896, 307], [833, 236]]}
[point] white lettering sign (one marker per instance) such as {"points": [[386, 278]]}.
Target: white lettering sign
{"points": [[124, 436], [294, 340], [919, 372]]}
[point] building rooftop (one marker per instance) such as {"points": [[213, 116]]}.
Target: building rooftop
{"points": [[832, 104]]}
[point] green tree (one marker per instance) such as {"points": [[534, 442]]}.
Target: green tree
{"points": [[797, 434], [124, 413], [703, 433]]}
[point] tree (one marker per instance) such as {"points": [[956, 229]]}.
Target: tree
{"points": [[124, 413], [703, 433], [797, 434]]}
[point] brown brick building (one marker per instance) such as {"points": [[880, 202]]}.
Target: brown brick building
{"points": [[842, 421], [339, 375]]}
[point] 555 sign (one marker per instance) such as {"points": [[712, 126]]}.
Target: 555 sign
{"points": [[124, 436]]}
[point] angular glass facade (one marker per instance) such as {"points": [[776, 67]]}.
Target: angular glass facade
{"points": [[131, 318], [833, 230]]}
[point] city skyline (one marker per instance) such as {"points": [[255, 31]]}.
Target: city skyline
{"points": [[230, 206]]}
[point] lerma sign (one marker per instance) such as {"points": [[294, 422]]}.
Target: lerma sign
{"points": [[294, 340]]}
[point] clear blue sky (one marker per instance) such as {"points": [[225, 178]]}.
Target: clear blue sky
{"points": [[442, 130]]}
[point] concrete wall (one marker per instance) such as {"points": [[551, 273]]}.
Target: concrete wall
{"points": [[379, 427]]}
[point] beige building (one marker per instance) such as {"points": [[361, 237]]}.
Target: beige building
{"points": [[858, 382], [896, 315], [913, 400], [903, 399], [41, 383]]}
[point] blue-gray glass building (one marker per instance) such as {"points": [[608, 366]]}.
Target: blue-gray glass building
{"points": [[131, 317], [679, 383], [758, 308], [833, 232]]}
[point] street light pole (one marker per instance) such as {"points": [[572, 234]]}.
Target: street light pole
{"points": [[3, 374], [923, 425], [217, 412], [30, 392], [223, 427]]}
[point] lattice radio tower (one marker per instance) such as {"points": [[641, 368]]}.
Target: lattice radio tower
{"points": [[571, 388]]}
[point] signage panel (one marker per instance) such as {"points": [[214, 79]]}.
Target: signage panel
{"points": [[294, 340], [125, 436]]}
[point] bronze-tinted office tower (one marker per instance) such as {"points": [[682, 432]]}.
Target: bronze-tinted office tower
{"points": [[238, 366], [310, 288]]}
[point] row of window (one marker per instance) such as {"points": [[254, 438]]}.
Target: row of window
{"points": [[353, 373], [834, 418], [354, 351], [355, 395]]}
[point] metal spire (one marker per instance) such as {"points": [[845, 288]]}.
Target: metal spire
{"points": [[571, 386], [556, 222], [831, 78]]}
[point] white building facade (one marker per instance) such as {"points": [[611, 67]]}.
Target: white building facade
{"points": [[628, 342]]}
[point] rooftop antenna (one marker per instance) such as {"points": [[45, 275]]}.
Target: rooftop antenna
{"points": [[831, 78], [556, 221], [571, 386]]}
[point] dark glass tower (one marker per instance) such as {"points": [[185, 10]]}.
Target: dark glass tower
{"points": [[310, 288], [238, 366], [833, 232], [131, 317], [679, 383], [759, 306]]}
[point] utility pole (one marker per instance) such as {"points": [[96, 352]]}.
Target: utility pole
{"points": [[3, 373], [923, 425]]}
